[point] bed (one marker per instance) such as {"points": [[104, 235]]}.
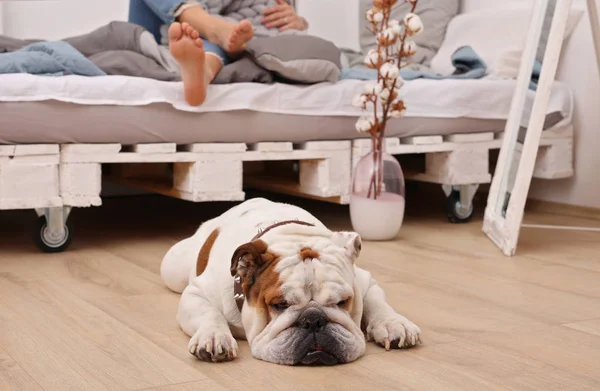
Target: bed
{"points": [[58, 134], [131, 110]]}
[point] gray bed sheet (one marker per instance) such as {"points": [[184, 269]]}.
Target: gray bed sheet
{"points": [[53, 122]]}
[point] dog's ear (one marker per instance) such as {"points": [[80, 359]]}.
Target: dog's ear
{"points": [[247, 259], [351, 241]]}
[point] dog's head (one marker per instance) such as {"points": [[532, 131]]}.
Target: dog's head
{"points": [[302, 304]]}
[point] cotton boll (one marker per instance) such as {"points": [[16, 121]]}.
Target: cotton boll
{"points": [[395, 26], [398, 109], [373, 88], [374, 58], [365, 124], [385, 95], [370, 15], [399, 81], [393, 23], [361, 126], [389, 71], [387, 37], [360, 101], [378, 17], [390, 34], [413, 23], [409, 48]]}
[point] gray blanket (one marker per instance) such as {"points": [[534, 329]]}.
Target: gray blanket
{"points": [[121, 48]]}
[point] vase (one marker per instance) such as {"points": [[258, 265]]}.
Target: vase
{"points": [[377, 199]]}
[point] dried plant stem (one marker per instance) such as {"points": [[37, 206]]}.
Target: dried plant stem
{"points": [[378, 131]]}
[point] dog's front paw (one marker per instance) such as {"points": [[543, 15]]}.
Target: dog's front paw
{"points": [[394, 332], [213, 346]]}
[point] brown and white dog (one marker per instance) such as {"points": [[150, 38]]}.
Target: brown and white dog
{"points": [[275, 275]]}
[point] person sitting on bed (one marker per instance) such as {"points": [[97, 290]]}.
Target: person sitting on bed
{"points": [[206, 35]]}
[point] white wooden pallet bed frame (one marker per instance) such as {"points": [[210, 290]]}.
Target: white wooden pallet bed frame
{"points": [[52, 179]]}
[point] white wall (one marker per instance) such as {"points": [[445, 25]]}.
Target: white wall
{"points": [[336, 20], [56, 19], [1, 19]]}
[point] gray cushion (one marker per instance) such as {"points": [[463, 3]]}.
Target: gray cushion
{"points": [[298, 58], [436, 14]]}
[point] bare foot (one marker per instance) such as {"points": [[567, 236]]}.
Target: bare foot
{"points": [[187, 48], [233, 37]]}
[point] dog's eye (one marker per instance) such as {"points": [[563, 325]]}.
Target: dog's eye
{"points": [[342, 303], [279, 307]]}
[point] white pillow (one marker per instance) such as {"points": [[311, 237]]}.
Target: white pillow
{"points": [[497, 35]]}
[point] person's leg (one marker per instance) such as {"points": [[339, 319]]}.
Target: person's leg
{"points": [[230, 36], [142, 15], [198, 67]]}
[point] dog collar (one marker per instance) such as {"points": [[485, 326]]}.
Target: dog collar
{"points": [[238, 291]]}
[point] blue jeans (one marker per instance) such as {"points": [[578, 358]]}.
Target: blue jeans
{"points": [[152, 14]]}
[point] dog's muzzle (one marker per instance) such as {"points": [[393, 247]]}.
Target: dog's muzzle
{"points": [[318, 347]]}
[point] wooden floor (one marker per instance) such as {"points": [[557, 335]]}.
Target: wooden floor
{"points": [[99, 318]]}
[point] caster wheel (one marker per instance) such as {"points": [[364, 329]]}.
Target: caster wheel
{"points": [[48, 244], [454, 212]]}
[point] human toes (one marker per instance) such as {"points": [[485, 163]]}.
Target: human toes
{"points": [[191, 32], [175, 31], [244, 27]]}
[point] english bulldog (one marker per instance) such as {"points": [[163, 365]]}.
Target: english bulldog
{"points": [[273, 274]]}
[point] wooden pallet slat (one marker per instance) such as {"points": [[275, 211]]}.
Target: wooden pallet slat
{"points": [[7, 150], [36, 149], [90, 149], [29, 176], [25, 186], [555, 161], [154, 148], [271, 147], [80, 184], [213, 147], [221, 180], [422, 140], [469, 137], [323, 145]]}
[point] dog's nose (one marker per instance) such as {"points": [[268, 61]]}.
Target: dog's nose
{"points": [[313, 320]]}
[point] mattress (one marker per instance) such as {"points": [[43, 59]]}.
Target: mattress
{"points": [[128, 110]]}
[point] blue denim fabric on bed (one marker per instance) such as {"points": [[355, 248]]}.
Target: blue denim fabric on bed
{"points": [[48, 59], [467, 63], [153, 14]]}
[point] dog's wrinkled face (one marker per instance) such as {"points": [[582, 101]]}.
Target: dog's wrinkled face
{"points": [[302, 306]]}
